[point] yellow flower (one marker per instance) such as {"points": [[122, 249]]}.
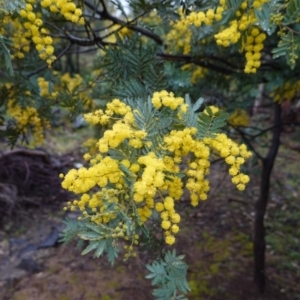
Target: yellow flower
{"points": [[214, 110], [169, 203], [159, 206], [78, 12], [175, 228], [49, 49], [165, 224], [170, 239], [38, 22], [175, 218], [31, 16], [48, 40], [23, 13], [164, 215], [240, 187], [46, 3]]}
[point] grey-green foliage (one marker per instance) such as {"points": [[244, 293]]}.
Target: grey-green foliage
{"points": [[178, 79], [207, 123], [289, 43], [288, 47], [72, 227], [168, 274], [5, 55], [8, 7], [263, 15], [11, 6], [292, 14], [133, 70], [95, 235], [210, 123]]}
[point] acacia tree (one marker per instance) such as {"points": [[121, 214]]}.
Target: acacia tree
{"points": [[147, 56]]}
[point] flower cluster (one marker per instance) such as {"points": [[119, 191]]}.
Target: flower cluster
{"points": [[29, 27], [234, 156], [114, 108], [239, 118], [242, 27], [66, 8], [27, 118], [166, 99], [20, 41], [65, 82], [287, 92], [197, 72], [44, 86], [129, 177], [39, 35], [181, 31], [229, 35], [183, 143], [30, 119], [154, 181], [253, 47], [245, 24], [169, 218], [101, 173]]}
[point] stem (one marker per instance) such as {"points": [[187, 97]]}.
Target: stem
{"points": [[261, 204]]}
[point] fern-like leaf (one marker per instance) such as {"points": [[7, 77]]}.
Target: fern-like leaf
{"points": [[169, 275], [292, 14], [71, 230], [6, 54]]}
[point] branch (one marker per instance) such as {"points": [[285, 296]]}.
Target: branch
{"points": [[106, 15], [203, 62], [262, 131], [248, 142], [96, 40]]}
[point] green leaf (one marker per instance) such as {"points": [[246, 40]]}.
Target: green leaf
{"points": [[93, 227], [198, 104], [100, 248], [263, 15], [169, 275], [7, 57], [288, 46], [292, 13], [127, 171], [209, 125], [11, 6], [92, 246], [116, 154], [112, 252], [71, 230], [89, 235]]}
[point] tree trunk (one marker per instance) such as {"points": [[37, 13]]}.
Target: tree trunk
{"points": [[261, 204]]}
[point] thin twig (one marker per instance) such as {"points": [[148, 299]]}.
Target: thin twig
{"points": [[46, 66], [106, 15], [205, 62]]}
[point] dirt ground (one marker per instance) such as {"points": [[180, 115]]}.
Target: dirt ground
{"points": [[216, 239]]}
